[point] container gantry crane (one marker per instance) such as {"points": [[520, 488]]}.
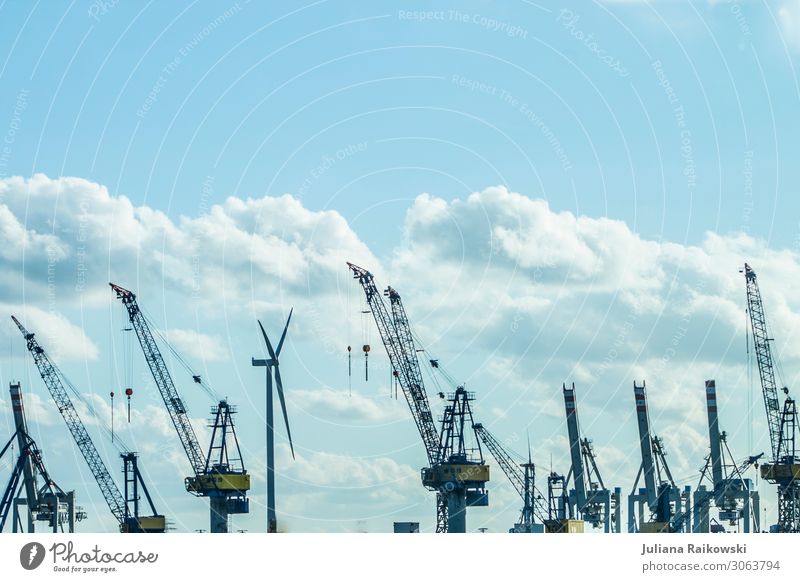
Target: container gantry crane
{"points": [[784, 467], [733, 495], [120, 506], [459, 480], [225, 483], [668, 506], [48, 503], [523, 478], [591, 499]]}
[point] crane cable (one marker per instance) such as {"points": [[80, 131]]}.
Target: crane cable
{"points": [[118, 443], [210, 392]]}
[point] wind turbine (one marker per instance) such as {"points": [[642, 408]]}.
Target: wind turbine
{"points": [[272, 366]]}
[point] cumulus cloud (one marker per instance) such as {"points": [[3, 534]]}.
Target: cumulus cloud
{"points": [[333, 470], [61, 339], [77, 236], [198, 345], [514, 297], [344, 407], [38, 410], [510, 268]]}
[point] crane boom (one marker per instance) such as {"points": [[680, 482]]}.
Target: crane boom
{"points": [[162, 378], [399, 343], [766, 370], [715, 441], [646, 445], [52, 379], [458, 480], [515, 474], [575, 445], [30, 466]]}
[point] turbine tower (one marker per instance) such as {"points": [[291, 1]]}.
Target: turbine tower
{"points": [[272, 366]]}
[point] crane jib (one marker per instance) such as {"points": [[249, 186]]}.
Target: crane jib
{"points": [[766, 370], [158, 369], [52, 380], [396, 336]]}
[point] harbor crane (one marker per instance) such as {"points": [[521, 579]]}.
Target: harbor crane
{"points": [[784, 467], [120, 505], [218, 475], [734, 496], [592, 501], [46, 503], [667, 505], [457, 474], [523, 478]]}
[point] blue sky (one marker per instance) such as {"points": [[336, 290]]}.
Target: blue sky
{"points": [[223, 159]]}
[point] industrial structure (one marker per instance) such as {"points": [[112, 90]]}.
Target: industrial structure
{"points": [[592, 501], [124, 508], [725, 499], [455, 472], [732, 494], [217, 475], [660, 506], [273, 369], [784, 467], [47, 502], [522, 477]]}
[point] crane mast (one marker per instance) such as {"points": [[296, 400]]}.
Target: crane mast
{"points": [[163, 379]]}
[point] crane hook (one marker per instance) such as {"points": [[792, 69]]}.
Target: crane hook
{"points": [[129, 393]]}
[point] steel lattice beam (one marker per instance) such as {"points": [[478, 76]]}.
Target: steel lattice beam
{"points": [[52, 379], [163, 379]]}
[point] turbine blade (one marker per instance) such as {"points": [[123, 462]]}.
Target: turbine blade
{"points": [[283, 406], [283, 335], [266, 340]]}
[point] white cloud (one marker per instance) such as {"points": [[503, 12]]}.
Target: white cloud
{"points": [[343, 471], [789, 18], [513, 296], [242, 254], [61, 339], [38, 411], [343, 407], [198, 345]]}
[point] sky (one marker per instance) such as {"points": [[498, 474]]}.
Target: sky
{"points": [[561, 192]]}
